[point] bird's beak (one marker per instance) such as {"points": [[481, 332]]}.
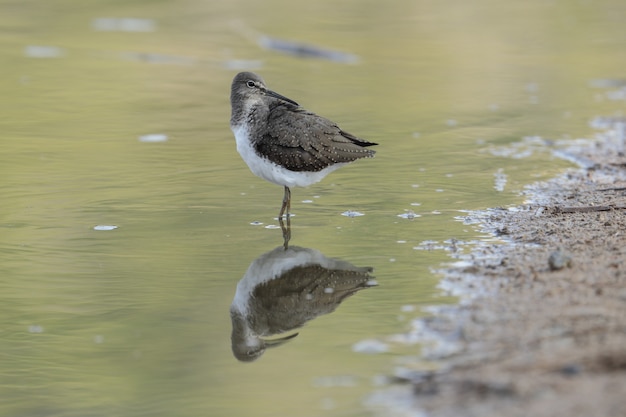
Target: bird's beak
{"points": [[277, 342], [280, 97]]}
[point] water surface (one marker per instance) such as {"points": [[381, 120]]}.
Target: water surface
{"points": [[134, 320]]}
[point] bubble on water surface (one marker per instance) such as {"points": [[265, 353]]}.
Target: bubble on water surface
{"points": [[336, 381], [352, 213], [105, 227], [41, 51], [370, 346], [123, 24], [152, 58], [429, 245], [153, 138], [500, 179], [410, 214], [35, 328], [243, 64]]}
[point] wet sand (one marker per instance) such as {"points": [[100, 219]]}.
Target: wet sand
{"points": [[541, 329]]}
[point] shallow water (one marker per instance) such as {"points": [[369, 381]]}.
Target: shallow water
{"points": [[134, 319]]}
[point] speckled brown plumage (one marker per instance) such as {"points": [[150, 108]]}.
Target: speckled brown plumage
{"points": [[300, 140]]}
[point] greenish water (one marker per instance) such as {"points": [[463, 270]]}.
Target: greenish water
{"points": [[135, 321]]}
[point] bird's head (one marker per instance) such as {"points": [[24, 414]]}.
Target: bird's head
{"points": [[248, 86]]}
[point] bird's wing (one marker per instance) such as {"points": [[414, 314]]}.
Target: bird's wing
{"points": [[303, 141]]}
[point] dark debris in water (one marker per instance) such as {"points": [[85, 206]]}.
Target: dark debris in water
{"points": [[304, 50], [291, 47]]}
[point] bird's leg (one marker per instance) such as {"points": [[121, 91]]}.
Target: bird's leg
{"points": [[286, 203], [286, 231], [285, 208]]}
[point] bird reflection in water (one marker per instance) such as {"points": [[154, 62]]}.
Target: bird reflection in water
{"points": [[285, 288]]}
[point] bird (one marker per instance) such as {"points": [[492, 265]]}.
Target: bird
{"points": [[284, 289], [284, 143]]}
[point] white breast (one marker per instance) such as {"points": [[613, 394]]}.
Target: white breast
{"points": [[268, 170]]}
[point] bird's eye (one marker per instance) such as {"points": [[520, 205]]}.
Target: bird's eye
{"points": [[250, 83]]}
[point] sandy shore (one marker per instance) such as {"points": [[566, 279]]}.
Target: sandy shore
{"points": [[541, 330]]}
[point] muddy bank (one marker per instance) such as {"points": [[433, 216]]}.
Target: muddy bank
{"points": [[541, 329]]}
